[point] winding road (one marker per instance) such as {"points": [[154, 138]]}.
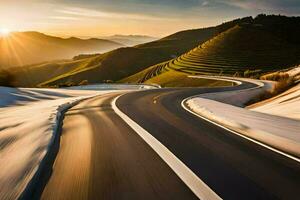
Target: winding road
{"points": [[101, 155]]}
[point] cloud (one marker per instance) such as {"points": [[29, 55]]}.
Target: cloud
{"points": [[141, 7], [65, 18], [205, 3], [158, 17], [89, 13]]}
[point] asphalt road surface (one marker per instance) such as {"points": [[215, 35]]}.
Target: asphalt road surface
{"points": [[101, 157]]}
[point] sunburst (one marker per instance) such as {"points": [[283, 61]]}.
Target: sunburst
{"points": [[4, 32]]}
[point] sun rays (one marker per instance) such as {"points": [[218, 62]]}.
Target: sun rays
{"points": [[4, 32], [11, 46]]}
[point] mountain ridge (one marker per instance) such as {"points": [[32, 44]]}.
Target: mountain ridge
{"points": [[247, 49], [124, 62], [23, 48]]}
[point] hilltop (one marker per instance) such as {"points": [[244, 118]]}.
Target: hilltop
{"points": [[23, 48], [249, 49]]}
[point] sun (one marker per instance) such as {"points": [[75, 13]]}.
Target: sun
{"points": [[4, 31]]}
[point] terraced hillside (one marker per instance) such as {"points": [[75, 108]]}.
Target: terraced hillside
{"points": [[244, 50]]}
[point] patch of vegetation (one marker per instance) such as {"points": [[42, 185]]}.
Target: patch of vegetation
{"points": [[68, 84], [84, 82], [283, 82], [251, 73], [276, 76], [84, 56], [7, 79]]}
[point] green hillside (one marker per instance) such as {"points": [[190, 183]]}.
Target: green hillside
{"points": [[247, 49], [33, 75]]}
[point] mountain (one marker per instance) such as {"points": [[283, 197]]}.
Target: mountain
{"points": [[23, 48], [130, 40], [113, 65], [261, 45], [240, 47]]}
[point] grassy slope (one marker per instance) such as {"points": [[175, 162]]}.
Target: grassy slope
{"points": [[178, 79], [243, 47], [52, 71]]}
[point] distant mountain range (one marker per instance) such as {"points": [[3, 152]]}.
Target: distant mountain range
{"points": [[23, 48], [130, 40]]}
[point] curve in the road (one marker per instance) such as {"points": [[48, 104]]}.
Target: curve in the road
{"points": [[183, 104], [235, 168], [119, 164], [101, 157], [200, 189]]}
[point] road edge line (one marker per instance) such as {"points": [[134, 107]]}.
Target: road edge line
{"points": [[236, 133], [196, 185]]}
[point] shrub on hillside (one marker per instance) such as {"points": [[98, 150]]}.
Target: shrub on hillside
{"points": [[276, 76], [84, 82], [252, 73], [67, 84], [283, 79], [283, 83], [6, 79], [83, 56], [108, 81], [281, 86]]}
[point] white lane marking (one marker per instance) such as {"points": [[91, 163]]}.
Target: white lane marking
{"points": [[198, 187], [239, 134]]}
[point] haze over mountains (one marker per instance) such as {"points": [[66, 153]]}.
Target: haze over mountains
{"points": [[23, 48], [259, 45], [130, 40]]}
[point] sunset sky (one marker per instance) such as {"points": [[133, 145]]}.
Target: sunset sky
{"points": [[94, 18]]}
